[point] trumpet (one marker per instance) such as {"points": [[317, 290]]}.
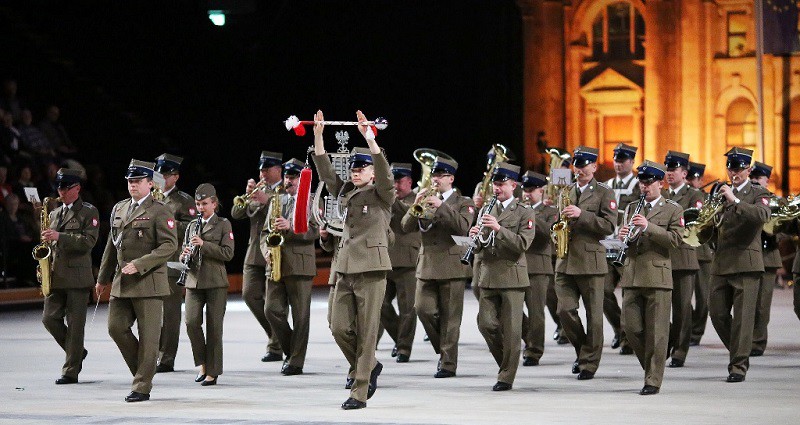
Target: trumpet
{"points": [[470, 254], [242, 201], [623, 253]]}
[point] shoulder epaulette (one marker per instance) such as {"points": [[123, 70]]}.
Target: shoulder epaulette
{"points": [[184, 195], [601, 184], [670, 201], [86, 204]]}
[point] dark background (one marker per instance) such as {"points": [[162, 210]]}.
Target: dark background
{"points": [[139, 78]]}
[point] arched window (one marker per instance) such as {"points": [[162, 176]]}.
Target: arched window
{"points": [[740, 125], [618, 33], [794, 145]]}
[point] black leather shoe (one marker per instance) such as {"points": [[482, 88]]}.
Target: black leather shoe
{"points": [[200, 377], [161, 368], [348, 384], [676, 363], [426, 338], [615, 342], [735, 377], [290, 370], [134, 397], [207, 382], [694, 342], [585, 375], [64, 379], [557, 335], [272, 357], [648, 390], [626, 350], [501, 386], [756, 352], [402, 358], [575, 368], [352, 403], [562, 340], [394, 351], [530, 361], [373, 379], [444, 373]]}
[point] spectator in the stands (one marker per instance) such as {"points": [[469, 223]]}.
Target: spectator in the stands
{"points": [[56, 133], [9, 101], [24, 179], [33, 140], [48, 185], [10, 143], [5, 187], [22, 234]]}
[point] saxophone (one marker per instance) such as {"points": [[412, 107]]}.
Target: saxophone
{"points": [[559, 231], [274, 238], [43, 253]]}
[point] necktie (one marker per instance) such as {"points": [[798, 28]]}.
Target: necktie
{"points": [[62, 215], [131, 208], [646, 209], [499, 208], [735, 191], [618, 184]]}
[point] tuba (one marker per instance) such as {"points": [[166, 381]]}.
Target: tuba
{"points": [[43, 253], [701, 222], [559, 231], [782, 211], [426, 158], [496, 155], [274, 238]]}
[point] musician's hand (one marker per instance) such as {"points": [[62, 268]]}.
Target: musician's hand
{"points": [[727, 192], [130, 268], [186, 251], [548, 202], [623, 232], [639, 221], [99, 288], [282, 224], [478, 200], [259, 196], [196, 240], [420, 196], [572, 211], [473, 231], [434, 201], [250, 185], [323, 233], [49, 235], [490, 221]]}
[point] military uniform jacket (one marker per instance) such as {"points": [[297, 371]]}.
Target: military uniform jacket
{"points": [[704, 252], [539, 257], [217, 248], [364, 245], [772, 256], [796, 264], [598, 214], [648, 263], [684, 256], [503, 263], [72, 255], [257, 214], [739, 235], [183, 208], [147, 239], [405, 249], [440, 257], [298, 255]]}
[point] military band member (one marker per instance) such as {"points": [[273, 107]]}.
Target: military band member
{"points": [[760, 175], [182, 206], [72, 234], [626, 190], [401, 281], [207, 282], [508, 231], [646, 278], [684, 258], [141, 241], [363, 259], [704, 256], [441, 278], [538, 258], [298, 268], [254, 280], [592, 213], [738, 262]]}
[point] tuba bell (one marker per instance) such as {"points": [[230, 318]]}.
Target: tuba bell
{"points": [[782, 211], [426, 158], [497, 154]]}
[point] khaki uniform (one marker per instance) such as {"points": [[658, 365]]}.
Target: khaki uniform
{"points": [[401, 281], [582, 272], [183, 208], [71, 280], [701, 287], [360, 265], [796, 274], [254, 279], [736, 271], [538, 258], [503, 279], [684, 272], [625, 192], [207, 286], [766, 285], [146, 237], [298, 268], [441, 278], [646, 284]]}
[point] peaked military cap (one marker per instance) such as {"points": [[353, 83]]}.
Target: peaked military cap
{"points": [[269, 159], [446, 166], [360, 157], [761, 169], [401, 169], [676, 159], [67, 177], [623, 152], [505, 171], [168, 164], [696, 169], [293, 167], [140, 169], [583, 156], [650, 171], [205, 190], [739, 158], [533, 179]]}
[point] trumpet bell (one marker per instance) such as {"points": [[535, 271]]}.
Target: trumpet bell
{"points": [[426, 158]]}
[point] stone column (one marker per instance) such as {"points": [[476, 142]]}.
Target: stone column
{"points": [[659, 81]]}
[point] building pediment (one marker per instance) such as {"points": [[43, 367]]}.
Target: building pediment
{"points": [[610, 79]]}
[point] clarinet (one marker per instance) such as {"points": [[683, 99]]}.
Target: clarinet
{"points": [[187, 259], [468, 256], [623, 253]]}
